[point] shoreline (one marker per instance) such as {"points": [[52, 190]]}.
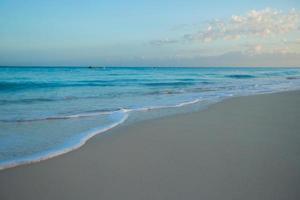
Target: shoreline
{"points": [[249, 142], [94, 132], [91, 133]]}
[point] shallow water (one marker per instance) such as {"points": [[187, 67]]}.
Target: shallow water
{"points": [[48, 111]]}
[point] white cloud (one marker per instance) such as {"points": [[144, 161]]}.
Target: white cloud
{"points": [[255, 23]]}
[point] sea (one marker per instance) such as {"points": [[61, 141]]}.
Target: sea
{"points": [[49, 111]]}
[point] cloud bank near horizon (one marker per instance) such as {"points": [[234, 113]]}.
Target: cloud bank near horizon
{"points": [[255, 23], [266, 31]]}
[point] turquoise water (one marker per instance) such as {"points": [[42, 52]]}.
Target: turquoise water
{"points": [[46, 111]]}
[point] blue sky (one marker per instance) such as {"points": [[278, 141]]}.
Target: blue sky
{"points": [[150, 33]]}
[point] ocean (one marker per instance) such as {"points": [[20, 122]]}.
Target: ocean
{"points": [[48, 111]]}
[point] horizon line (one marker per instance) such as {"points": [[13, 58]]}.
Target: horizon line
{"points": [[94, 66]]}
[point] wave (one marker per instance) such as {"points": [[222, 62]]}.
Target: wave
{"points": [[119, 80], [293, 77], [21, 101], [76, 144], [164, 92], [181, 83], [167, 106], [240, 76], [20, 86], [27, 85], [16, 86], [93, 113], [79, 115]]}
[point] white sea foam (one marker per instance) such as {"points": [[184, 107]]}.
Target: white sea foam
{"points": [[77, 144], [87, 135]]}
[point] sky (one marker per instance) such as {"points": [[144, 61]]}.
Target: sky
{"points": [[155, 33]]}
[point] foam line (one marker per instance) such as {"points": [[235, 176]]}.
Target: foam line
{"points": [[44, 156]]}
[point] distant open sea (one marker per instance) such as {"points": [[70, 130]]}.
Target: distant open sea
{"points": [[47, 111]]}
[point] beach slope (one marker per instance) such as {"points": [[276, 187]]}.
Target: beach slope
{"points": [[242, 148]]}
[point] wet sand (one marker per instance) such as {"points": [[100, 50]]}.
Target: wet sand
{"points": [[242, 148]]}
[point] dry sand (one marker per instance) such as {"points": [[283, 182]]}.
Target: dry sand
{"points": [[243, 148]]}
